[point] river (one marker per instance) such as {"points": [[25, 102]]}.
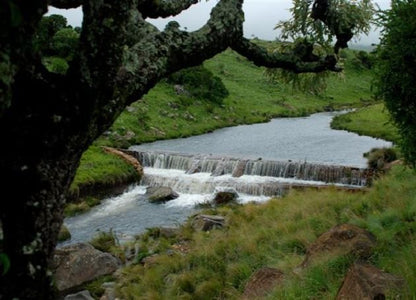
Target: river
{"points": [[303, 146]]}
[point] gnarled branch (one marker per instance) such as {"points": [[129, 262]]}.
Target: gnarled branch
{"points": [[261, 57], [65, 4], [163, 8]]}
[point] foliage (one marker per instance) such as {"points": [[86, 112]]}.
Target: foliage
{"points": [[64, 43], [276, 234], [379, 157], [104, 241], [309, 38], [47, 28], [201, 84], [396, 71], [56, 64]]}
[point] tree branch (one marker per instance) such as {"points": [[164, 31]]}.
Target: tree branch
{"points": [[261, 57], [65, 4], [163, 8]]}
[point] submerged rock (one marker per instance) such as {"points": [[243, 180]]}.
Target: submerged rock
{"points": [[239, 168], [225, 196], [207, 222], [262, 282], [161, 194], [64, 234], [364, 281], [80, 263]]}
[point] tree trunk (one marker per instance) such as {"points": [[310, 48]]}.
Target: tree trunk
{"points": [[38, 161]]}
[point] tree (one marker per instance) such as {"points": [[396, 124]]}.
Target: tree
{"points": [[396, 71], [48, 119]]}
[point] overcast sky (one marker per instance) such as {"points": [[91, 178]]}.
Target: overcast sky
{"points": [[261, 16]]}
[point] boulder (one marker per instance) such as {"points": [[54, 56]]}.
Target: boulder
{"points": [[364, 281], [80, 263], [207, 222], [161, 194], [262, 282], [225, 196], [238, 170], [83, 295], [342, 239]]}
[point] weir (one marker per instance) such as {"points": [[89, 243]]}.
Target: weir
{"points": [[205, 173]]}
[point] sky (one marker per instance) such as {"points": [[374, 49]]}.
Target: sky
{"points": [[261, 16]]}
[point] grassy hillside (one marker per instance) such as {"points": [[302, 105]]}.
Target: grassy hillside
{"points": [[217, 264], [253, 98]]}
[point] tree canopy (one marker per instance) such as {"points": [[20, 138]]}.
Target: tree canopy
{"points": [[47, 119]]}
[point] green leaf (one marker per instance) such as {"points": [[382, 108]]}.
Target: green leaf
{"points": [[5, 262]]}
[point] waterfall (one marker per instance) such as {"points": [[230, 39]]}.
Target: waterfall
{"points": [[218, 166]]}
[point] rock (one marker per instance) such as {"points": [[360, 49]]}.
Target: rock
{"points": [[64, 234], [127, 157], [207, 222], [220, 169], [160, 194], [364, 281], [195, 167], [225, 196], [109, 293], [168, 232], [83, 295], [149, 261], [180, 90], [239, 168], [342, 239], [80, 263], [262, 282]]}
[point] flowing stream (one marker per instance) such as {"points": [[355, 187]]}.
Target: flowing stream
{"points": [[258, 161]]}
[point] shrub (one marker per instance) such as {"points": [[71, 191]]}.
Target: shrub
{"points": [[396, 74], [378, 157], [201, 84]]}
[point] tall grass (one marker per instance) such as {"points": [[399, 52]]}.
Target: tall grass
{"points": [[276, 234]]}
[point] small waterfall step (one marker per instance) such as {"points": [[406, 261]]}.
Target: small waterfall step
{"points": [[218, 166]]}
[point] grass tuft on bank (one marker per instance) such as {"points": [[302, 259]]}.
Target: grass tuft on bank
{"points": [[373, 120], [276, 234]]}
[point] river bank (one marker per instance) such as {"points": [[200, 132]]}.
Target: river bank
{"points": [[253, 98]]}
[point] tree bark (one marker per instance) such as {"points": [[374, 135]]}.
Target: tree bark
{"points": [[48, 120]]}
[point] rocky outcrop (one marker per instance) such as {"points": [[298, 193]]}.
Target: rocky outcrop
{"points": [[364, 281], [262, 282], [160, 194], [207, 222], [225, 196], [127, 158], [80, 263], [342, 239]]}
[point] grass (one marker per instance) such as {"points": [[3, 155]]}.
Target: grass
{"points": [[276, 234], [372, 120], [97, 172]]}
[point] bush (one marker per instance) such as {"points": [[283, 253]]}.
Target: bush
{"points": [[396, 71], [379, 157], [201, 84]]}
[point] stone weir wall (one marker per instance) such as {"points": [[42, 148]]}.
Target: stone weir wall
{"points": [[217, 166]]}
